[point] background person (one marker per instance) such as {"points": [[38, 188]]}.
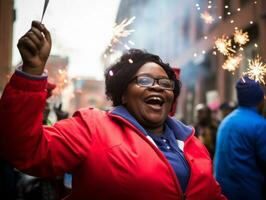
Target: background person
{"points": [[240, 161]]}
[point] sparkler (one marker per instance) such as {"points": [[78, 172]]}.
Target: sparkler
{"points": [[120, 31], [208, 19], [44, 8], [240, 37], [232, 63], [223, 44], [256, 70]]}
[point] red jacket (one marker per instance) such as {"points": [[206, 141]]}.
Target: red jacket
{"points": [[108, 156]]}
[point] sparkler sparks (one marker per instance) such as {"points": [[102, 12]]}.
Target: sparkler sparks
{"points": [[256, 70], [223, 44], [208, 19], [232, 63], [120, 31], [240, 37]]}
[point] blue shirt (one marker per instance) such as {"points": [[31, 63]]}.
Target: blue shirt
{"points": [[168, 145]]}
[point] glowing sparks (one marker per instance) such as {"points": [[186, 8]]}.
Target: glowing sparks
{"points": [[256, 70], [208, 19], [223, 45], [232, 63], [120, 31], [240, 37]]}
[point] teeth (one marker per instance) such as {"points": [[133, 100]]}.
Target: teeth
{"points": [[156, 98]]}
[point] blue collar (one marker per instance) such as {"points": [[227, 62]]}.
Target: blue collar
{"points": [[181, 131]]}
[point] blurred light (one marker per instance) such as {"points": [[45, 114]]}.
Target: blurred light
{"points": [[130, 42], [232, 63], [256, 70], [256, 45], [203, 52], [130, 60], [236, 28], [240, 37], [226, 6], [251, 22], [208, 19], [238, 9], [232, 21], [205, 37], [126, 46], [214, 53], [220, 17], [228, 13], [209, 6], [195, 54], [111, 73]]}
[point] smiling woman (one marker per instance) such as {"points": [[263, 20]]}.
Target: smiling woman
{"points": [[134, 151]]}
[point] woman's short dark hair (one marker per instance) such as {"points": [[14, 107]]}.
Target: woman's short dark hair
{"points": [[119, 75]]}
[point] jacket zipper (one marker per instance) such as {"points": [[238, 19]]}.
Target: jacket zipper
{"points": [[189, 163]]}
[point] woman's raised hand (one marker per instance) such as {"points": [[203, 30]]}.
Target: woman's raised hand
{"points": [[34, 48]]}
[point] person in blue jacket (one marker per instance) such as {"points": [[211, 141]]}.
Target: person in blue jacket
{"points": [[240, 159]]}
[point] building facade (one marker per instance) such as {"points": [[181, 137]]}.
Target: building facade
{"points": [[176, 31], [7, 18]]}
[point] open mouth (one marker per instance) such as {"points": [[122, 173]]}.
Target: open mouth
{"points": [[155, 101]]}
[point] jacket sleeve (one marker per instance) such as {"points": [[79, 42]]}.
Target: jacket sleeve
{"points": [[31, 147]]}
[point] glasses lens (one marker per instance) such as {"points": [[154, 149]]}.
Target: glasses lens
{"points": [[144, 81], [166, 83]]}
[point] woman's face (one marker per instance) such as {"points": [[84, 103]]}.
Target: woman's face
{"points": [[149, 105]]}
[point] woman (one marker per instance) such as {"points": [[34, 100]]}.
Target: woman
{"points": [[134, 151]]}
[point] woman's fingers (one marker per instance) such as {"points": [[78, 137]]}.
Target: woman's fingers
{"points": [[47, 35], [35, 39], [25, 43], [42, 29]]}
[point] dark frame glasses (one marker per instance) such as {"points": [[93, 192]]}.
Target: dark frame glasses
{"points": [[148, 81]]}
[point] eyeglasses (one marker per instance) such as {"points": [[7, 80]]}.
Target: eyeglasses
{"points": [[147, 81]]}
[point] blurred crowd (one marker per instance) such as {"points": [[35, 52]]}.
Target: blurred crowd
{"points": [[16, 185]]}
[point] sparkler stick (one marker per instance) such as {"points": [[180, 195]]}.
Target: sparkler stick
{"points": [[44, 8]]}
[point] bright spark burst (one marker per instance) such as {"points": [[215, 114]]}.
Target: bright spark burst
{"points": [[223, 45], [208, 19], [256, 69], [232, 63], [240, 37], [120, 31]]}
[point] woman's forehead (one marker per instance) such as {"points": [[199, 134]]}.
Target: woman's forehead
{"points": [[151, 68]]}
